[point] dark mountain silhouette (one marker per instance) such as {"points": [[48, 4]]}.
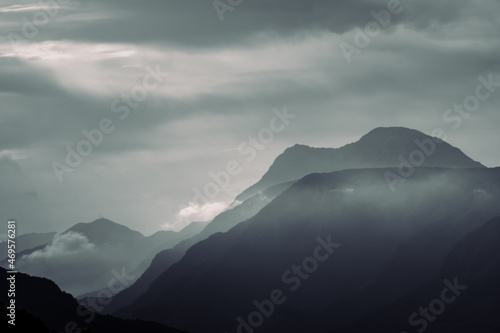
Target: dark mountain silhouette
{"points": [[40, 304], [25, 322], [416, 262], [475, 262], [27, 242], [218, 279], [379, 148], [338, 251]]}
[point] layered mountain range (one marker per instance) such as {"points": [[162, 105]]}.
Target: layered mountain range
{"points": [[324, 242], [82, 259]]}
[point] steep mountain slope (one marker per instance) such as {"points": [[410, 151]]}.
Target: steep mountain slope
{"points": [[166, 240], [416, 262], [218, 280], [221, 223], [378, 149], [475, 263], [42, 302]]}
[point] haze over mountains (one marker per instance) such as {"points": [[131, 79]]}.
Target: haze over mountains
{"points": [[218, 279], [379, 148], [85, 257], [321, 243], [28, 241]]}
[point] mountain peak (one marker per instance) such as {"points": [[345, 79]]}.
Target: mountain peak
{"points": [[103, 230], [379, 148], [297, 148], [103, 220], [395, 133]]}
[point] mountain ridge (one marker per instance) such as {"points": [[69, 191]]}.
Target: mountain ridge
{"points": [[217, 279], [378, 148]]}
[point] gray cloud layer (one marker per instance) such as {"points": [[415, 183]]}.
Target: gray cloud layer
{"points": [[224, 80]]}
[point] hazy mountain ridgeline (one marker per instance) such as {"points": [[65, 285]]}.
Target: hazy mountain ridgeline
{"points": [[217, 270], [167, 239], [380, 148], [221, 223], [219, 278], [41, 306], [27, 242], [87, 256]]}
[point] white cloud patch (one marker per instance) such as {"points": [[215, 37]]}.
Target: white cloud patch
{"points": [[24, 8], [196, 213], [12, 154], [70, 244]]}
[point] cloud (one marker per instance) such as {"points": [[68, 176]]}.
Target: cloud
{"points": [[171, 21], [25, 8], [196, 213], [90, 265], [225, 78], [69, 245]]}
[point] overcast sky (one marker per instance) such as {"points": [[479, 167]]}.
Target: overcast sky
{"points": [[220, 75]]}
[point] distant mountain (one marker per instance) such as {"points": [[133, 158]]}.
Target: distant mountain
{"points": [[27, 242], [104, 231], [42, 307], [380, 148], [87, 256], [221, 223], [223, 277], [168, 239]]}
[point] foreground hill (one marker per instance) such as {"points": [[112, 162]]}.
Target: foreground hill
{"points": [[43, 307]]}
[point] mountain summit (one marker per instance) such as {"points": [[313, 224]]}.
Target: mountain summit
{"points": [[380, 148], [105, 231]]}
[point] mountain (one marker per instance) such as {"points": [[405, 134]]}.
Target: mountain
{"points": [[380, 148], [475, 263], [323, 240], [221, 223], [416, 262], [42, 306], [27, 242], [167, 239], [104, 231], [85, 257]]}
